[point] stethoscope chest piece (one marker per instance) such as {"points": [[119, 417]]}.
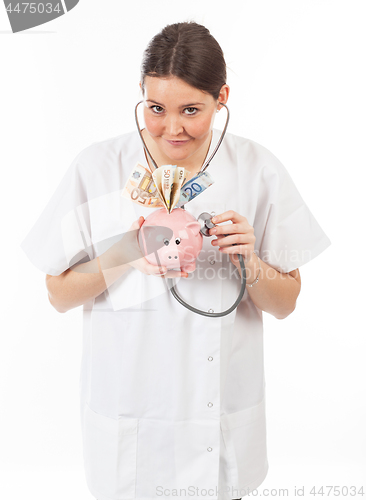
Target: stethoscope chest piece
{"points": [[206, 223]]}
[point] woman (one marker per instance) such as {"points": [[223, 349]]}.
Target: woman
{"points": [[173, 403]]}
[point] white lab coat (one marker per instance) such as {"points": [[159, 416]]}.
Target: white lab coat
{"points": [[173, 403]]}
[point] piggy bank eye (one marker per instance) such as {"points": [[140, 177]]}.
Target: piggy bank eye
{"points": [[177, 240], [166, 241]]}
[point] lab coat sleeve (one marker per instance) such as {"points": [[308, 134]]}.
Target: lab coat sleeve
{"points": [[291, 235], [61, 236]]}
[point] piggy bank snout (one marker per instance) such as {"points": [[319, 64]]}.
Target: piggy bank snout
{"points": [[170, 256]]}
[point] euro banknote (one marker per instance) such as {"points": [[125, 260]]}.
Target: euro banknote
{"points": [[140, 188], [194, 187], [165, 187]]}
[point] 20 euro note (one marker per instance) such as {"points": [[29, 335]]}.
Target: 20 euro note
{"points": [[194, 187]]}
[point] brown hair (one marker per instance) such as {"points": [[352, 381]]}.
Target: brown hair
{"points": [[188, 51]]}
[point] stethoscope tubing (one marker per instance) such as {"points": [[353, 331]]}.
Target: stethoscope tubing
{"points": [[171, 285], [213, 314], [206, 164]]}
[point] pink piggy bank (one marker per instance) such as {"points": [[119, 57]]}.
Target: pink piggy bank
{"points": [[174, 238]]}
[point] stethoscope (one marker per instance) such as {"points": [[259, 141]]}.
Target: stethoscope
{"points": [[206, 224]]}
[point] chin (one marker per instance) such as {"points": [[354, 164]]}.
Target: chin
{"points": [[176, 158], [180, 153]]}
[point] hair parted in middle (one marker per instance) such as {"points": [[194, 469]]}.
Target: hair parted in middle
{"points": [[188, 51]]}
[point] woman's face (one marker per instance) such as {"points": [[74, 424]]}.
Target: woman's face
{"points": [[178, 117]]}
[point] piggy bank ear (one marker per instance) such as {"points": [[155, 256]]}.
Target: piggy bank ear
{"points": [[194, 226], [154, 237]]}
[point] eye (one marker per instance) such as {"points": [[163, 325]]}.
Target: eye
{"points": [[190, 111], [177, 241], [166, 241], [157, 109]]}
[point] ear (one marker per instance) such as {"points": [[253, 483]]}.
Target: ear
{"points": [[194, 226], [223, 96]]}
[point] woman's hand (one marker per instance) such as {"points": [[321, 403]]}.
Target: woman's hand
{"points": [[235, 238]]}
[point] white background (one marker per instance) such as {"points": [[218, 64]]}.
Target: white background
{"points": [[297, 78]]}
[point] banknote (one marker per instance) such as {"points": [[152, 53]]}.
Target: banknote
{"points": [[194, 187], [163, 178], [179, 180], [169, 180], [165, 187], [141, 189]]}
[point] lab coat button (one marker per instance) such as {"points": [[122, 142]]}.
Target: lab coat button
{"points": [[210, 404], [210, 358], [211, 262], [209, 449]]}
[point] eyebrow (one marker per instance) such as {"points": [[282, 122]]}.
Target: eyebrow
{"points": [[184, 105]]}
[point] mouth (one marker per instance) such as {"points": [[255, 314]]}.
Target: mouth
{"points": [[177, 143]]}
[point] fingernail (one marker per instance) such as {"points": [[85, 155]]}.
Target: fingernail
{"points": [[214, 219]]}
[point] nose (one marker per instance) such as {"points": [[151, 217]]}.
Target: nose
{"points": [[174, 125]]}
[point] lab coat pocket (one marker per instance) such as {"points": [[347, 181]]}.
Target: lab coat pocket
{"points": [[110, 453], [244, 434]]}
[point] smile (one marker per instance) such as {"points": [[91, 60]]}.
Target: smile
{"points": [[177, 143]]}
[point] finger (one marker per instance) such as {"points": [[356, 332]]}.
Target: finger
{"points": [[235, 239], [173, 274], [164, 272], [245, 250], [176, 274], [156, 270], [137, 223], [227, 229], [228, 215]]}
